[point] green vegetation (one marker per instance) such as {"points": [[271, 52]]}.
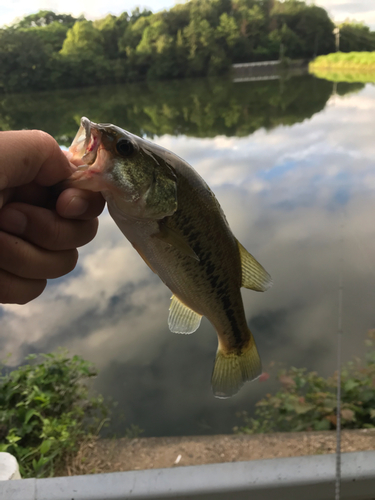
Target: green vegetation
{"points": [[345, 76], [344, 61], [356, 37], [345, 67], [307, 402], [196, 38], [46, 412]]}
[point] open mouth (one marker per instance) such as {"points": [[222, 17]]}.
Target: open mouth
{"points": [[86, 143], [85, 148]]}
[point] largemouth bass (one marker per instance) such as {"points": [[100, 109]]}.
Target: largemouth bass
{"points": [[173, 220]]}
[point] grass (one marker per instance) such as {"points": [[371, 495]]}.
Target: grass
{"points": [[345, 67]]}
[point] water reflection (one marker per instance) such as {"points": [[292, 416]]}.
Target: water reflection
{"points": [[198, 108], [294, 171]]}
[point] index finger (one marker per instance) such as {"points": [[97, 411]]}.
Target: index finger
{"points": [[28, 155]]}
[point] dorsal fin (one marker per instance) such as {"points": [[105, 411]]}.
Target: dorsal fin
{"points": [[254, 276], [181, 318]]}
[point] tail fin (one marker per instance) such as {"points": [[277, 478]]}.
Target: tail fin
{"points": [[232, 370]]}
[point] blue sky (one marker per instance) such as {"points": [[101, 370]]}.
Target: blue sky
{"points": [[361, 10]]}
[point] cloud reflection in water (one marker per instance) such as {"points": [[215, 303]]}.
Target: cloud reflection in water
{"points": [[290, 196]]}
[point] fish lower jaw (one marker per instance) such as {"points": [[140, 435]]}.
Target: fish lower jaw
{"points": [[88, 178]]}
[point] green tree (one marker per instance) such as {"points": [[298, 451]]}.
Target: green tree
{"points": [[200, 40], [82, 58], [227, 31], [178, 17], [311, 24], [44, 18], [128, 43], [209, 10], [156, 50], [111, 29], [137, 13], [51, 35], [83, 41], [25, 61], [289, 42], [356, 37]]}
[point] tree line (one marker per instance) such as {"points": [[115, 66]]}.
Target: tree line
{"points": [[197, 38]]}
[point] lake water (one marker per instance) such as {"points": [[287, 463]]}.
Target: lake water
{"points": [[293, 166]]}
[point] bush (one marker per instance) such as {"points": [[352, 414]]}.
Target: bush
{"points": [[307, 402], [46, 412]]}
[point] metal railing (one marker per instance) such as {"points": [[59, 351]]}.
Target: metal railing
{"points": [[306, 478], [255, 64]]}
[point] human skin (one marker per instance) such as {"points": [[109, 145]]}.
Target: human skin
{"points": [[40, 227]]}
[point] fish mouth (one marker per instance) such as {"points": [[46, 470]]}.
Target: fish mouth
{"points": [[85, 150], [86, 142]]}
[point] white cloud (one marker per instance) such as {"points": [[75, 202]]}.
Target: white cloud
{"points": [[340, 10]]}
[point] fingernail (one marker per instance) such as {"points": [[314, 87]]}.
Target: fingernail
{"points": [[13, 221], [77, 206]]}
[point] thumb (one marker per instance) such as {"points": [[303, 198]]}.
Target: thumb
{"points": [[31, 155]]}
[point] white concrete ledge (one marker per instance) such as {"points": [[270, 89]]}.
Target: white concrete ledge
{"points": [[307, 478], [8, 467]]}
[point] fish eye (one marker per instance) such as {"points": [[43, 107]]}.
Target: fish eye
{"points": [[124, 147]]}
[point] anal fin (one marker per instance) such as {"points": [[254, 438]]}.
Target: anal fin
{"points": [[254, 276], [181, 318]]}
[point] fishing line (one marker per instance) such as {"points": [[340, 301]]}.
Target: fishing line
{"points": [[339, 352]]}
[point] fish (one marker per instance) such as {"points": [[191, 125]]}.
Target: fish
{"points": [[174, 221]]}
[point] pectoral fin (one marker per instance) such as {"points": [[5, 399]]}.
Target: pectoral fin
{"points": [[181, 318], [254, 276], [175, 240]]}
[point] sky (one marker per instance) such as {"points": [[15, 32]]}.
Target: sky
{"points": [[339, 10]]}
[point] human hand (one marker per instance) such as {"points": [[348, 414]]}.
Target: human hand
{"points": [[40, 229]]}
